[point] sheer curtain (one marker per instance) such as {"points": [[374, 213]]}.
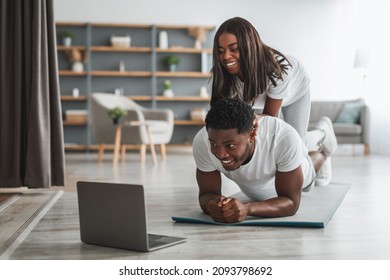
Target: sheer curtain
{"points": [[31, 141], [370, 29]]}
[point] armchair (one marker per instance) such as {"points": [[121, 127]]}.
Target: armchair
{"points": [[160, 122]]}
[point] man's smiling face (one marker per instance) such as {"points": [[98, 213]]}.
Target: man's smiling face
{"points": [[230, 147]]}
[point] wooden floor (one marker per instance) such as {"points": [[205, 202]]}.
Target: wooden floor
{"points": [[360, 228]]}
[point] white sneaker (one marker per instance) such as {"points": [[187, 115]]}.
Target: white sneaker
{"points": [[324, 175], [329, 143]]}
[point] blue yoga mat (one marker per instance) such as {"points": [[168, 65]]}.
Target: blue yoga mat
{"points": [[316, 209]]}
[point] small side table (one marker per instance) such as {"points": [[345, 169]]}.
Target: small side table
{"points": [[118, 137]]}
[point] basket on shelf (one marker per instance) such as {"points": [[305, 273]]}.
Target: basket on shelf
{"points": [[198, 114], [120, 41]]}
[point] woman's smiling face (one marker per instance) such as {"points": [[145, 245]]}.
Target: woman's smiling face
{"points": [[229, 54]]}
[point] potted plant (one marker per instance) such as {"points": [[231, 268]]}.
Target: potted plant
{"points": [[172, 62], [67, 38], [167, 89], [116, 113]]}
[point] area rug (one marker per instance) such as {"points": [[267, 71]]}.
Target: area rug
{"points": [[19, 213], [5, 196], [316, 209]]}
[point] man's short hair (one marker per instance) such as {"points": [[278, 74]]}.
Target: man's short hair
{"points": [[230, 113]]}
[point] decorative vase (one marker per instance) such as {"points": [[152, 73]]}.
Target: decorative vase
{"points": [[168, 93], [204, 62], [203, 92], [77, 66], [122, 66], [163, 40], [119, 91], [67, 41], [75, 92], [172, 67]]}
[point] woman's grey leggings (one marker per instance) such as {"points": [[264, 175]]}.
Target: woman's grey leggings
{"points": [[297, 114]]}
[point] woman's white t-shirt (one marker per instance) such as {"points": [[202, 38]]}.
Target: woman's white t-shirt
{"points": [[278, 147], [294, 85]]}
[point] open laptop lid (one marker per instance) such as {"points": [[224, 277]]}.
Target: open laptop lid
{"points": [[112, 215]]}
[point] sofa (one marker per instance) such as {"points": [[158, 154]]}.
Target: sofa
{"points": [[350, 120]]}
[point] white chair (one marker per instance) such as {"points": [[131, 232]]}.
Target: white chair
{"points": [[159, 121]]}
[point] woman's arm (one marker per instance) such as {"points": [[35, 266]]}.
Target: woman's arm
{"points": [[272, 106]]}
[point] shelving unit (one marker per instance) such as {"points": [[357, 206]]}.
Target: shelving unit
{"points": [[106, 73], [143, 75], [72, 73], [71, 98]]}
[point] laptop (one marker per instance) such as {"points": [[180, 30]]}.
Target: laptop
{"points": [[114, 215]]}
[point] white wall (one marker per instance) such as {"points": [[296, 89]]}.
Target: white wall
{"points": [[313, 31]]}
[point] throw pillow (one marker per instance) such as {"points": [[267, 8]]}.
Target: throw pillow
{"points": [[350, 112]]}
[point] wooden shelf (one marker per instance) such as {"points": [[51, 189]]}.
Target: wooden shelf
{"points": [[94, 147], [144, 98], [101, 73], [140, 97], [71, 73], [75, 147], [189, 122], [105, 73], [120, 49], [124, 25], [168, 26], [177, 122], [183, 50], [134, 49], [71, 98], [84, 98], [182, 98], [75, 123], [71, 24], [182, 74], [66, 48]]}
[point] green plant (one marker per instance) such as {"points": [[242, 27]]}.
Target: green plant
{"points": [[67, 34], [167, 84], [172, 60], [116, 113]]}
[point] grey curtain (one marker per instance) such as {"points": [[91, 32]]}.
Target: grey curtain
{"points": [[31, 135]]}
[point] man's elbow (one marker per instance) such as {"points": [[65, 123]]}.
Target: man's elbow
{"points": [[203, 202], [294, 208], [289, 208]]}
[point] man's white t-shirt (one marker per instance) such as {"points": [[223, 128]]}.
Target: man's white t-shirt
{"points": [[278, 147]]}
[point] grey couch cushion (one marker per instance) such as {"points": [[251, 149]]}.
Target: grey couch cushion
{"points": [[343, 128], [346, 133], [347, 129], [350, 112], [330, 109]]}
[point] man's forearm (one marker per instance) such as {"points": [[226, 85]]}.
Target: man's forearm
{"points": [[274, 207], [204, 200]]}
